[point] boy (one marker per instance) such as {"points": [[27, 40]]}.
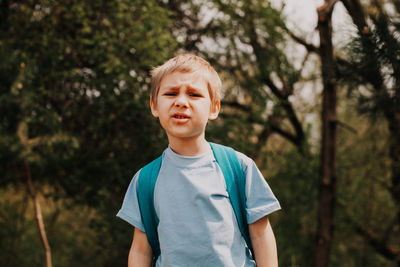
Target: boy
{"points": [[197, 225]]}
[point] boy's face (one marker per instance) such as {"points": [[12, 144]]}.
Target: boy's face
{"points": [[184, 105]]}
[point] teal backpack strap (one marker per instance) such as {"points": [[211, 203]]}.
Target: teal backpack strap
{"points": [[145, 193], [235, 183]]}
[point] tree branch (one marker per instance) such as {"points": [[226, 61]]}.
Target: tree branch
{"points": [[356, 12], [325, 10], [286, 134], [237, 105], [373, 240], [310, 48], [300, 137], [38, 215], [346, 126], [384, 249], [274, 89]]}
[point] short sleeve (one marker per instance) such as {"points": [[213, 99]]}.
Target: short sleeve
{"points": [[260, 200], [130, 211]]}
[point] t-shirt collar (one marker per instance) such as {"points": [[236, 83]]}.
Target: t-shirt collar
{"points": [[189, 161]]}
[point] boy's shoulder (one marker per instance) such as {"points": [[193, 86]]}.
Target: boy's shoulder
{"points": [[244, 159]]}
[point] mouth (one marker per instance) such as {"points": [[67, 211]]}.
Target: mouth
{"points": [[180, 116]]}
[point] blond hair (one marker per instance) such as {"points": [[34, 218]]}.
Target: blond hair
{"points": [[186, 63]]}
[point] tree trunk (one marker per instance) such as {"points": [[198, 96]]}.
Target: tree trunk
{"points": [[38, 215], [394, 152], [327, 187]]}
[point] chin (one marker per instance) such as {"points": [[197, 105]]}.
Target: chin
{"points": [[184, 135]]}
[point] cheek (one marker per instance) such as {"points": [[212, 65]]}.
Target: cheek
{"points": [[161, 105], [163, 121]]}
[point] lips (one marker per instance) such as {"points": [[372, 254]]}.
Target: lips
{"points": [[180, 116]]}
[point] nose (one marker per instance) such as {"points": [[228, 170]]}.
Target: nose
{"points": [[181, 101]]}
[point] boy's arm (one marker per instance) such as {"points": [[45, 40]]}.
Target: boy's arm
{"points": [[263, 241], [140, 254]]}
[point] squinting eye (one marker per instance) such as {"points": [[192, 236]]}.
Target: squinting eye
{"points": [[170, 94], [195, 95]]}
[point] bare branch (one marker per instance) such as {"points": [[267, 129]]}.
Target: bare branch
{"points": [[38, 216], [303, 63], [357, 14], [274, 89], [325, 10], [284, 133], [237, 105], [346, 126], [371, 237], [374, 241], [308, 46]]}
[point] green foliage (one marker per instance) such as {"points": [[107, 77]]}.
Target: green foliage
{"points": [[363, 198], [253, 35], [247, 48], [373, 62], [72, 239], [74, 88], [294, 180], [74, 103]]}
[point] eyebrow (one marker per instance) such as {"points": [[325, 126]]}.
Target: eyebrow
{"points": [[170, 88], [173, 87]]}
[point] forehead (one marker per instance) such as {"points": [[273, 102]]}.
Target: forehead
{"points": [[177, 79]]}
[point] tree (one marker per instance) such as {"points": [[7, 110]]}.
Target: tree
{"points": [[250, 36], [328, 150], [244, 42], [327, 187], [74, 85], [373, 61]]}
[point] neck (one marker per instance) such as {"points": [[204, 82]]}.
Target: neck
{"points": [[189, 146]]}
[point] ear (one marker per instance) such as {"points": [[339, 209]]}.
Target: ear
{"points": [[153, 107], [215, 107]]}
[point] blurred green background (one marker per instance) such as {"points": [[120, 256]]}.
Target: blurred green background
{"points": [[75, 119]]}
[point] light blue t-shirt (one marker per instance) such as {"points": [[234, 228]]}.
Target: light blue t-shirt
{"points": [[197, 224]]}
